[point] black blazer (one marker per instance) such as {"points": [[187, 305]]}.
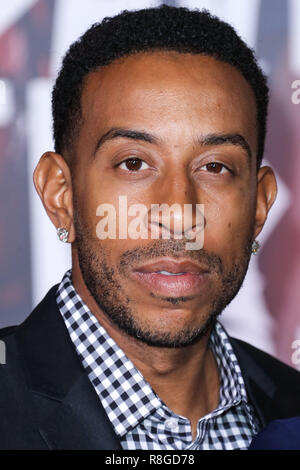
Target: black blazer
{"points": [[48, 402]]}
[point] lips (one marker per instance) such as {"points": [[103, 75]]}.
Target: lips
{"points": [[171, 277], [171, 266]]}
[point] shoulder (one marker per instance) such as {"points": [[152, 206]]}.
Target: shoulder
{"points": [[252, 358], [7, 331], [31, 326], [49, 300]]}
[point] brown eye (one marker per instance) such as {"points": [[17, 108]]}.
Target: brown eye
{"points": [[215, 167], [132, 164]]}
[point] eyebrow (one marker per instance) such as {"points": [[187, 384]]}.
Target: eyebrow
{"points": [[233, 139], [206, 140], [117, 132]]}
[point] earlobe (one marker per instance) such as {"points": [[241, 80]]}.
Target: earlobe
{"points": [[53, 183], [266, 195]]}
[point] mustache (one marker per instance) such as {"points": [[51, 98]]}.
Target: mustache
{"points": [[170, 247]]}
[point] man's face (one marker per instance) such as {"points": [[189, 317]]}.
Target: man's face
{"points": [[180, 100]]}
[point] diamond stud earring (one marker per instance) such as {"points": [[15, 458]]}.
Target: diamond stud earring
{"points": [[62, 234], [255, 247]]}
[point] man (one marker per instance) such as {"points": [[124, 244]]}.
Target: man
{"points": [[163, 106]]}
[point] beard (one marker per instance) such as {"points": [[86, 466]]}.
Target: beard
{"points": [[102, 281]]}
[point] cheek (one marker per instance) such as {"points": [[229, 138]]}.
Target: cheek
{"points": [[229, 219], [95, 198], [99, 194], [96, 195]]}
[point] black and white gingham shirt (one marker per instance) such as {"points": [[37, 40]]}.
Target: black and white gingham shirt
{"points": [[140, 419]]}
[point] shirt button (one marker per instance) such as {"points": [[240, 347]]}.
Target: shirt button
{"points": [[171, 423]]}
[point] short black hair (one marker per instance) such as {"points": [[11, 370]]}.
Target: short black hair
{"points": [[163, 28]]}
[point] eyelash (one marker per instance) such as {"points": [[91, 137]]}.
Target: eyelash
{"points": [[129, 159], [218, 163], [139, 159]]}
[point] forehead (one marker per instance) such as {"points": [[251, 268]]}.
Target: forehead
{"points": [[171, 93]]}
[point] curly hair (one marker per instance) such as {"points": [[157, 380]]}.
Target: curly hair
{"points": [[153, 29]]}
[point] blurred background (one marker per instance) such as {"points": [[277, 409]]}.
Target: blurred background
{"points": [[34, 35]]}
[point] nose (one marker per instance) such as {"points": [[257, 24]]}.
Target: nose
{"points": [[177, 211]]}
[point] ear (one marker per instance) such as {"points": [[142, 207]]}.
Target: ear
{"points": [[266, 195], [52, 181]]}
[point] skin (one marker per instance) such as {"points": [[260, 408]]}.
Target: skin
{"points": [[177, 98]]}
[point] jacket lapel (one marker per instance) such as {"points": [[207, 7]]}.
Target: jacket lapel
{"points": [[79, 422], [267, 383], [53, 371]]}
